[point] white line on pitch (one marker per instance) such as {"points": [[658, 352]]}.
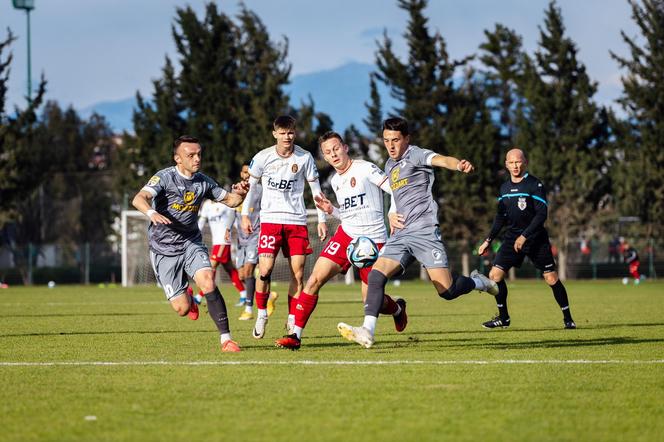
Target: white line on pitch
{"points": [[309, 362]]}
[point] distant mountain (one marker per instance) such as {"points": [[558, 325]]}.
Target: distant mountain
{"points": [[340, 92]]}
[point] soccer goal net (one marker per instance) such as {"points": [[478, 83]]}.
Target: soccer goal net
{"points": [[137, 269]]}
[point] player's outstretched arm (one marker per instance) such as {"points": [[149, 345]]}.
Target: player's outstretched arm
{"points": [[143, 202], [452, 163], [235, 197]]}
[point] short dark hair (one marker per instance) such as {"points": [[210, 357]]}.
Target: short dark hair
{"points": [[184, 139], [329, 135], [398, 124], [284, 122]]}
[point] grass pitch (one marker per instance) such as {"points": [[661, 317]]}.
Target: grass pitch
{"points": [[84, 363]]}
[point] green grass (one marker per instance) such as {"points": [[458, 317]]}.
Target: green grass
{"points": [[440, 398]]}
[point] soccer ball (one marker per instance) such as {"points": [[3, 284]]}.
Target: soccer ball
{"points": [[51, 284], [362, 252], [625, 280]]}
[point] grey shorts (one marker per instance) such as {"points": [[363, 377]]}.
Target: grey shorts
{"points": [[425, 246], [247, 253], [171, 271]]}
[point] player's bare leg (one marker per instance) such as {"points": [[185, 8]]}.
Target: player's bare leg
{"points": [[216, 308]]}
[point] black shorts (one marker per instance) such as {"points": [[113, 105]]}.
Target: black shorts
{"points": [[538, 251]]}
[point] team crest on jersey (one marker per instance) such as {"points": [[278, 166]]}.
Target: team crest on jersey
{"points": [[153, 181], [521, 204], [353, 182], [294, 168], [189, 197]]}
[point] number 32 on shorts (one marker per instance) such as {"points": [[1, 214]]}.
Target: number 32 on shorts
{"points": [[267, 242]]}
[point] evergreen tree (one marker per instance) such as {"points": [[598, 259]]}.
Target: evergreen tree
{"points": [[563, 132], [502, 57], [374, 119], [640, 181]]}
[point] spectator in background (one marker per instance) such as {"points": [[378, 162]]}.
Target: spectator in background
{"points": [[631, 258], [614, 255]]}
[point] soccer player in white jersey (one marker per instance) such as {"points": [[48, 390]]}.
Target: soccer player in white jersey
{"points": [[171, 200], [358, 186], [282, 170], [220, 217]]}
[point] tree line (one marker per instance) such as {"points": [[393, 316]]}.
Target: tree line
{"points": [[65, 179]]}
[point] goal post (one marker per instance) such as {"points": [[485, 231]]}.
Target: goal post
{"points": [[135, 253]]}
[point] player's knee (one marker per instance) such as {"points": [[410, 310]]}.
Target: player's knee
{"points": [[376, 278], [265, 278], [551, 278], [181, 310], [496, 274]]}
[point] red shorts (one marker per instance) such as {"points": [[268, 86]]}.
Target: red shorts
{"points": [[290, 238], [221, 253], [634, 267], [335, 251]]}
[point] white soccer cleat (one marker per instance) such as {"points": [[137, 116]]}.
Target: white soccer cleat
{"points": [[356, 334], [484, 284], [259, 328]]}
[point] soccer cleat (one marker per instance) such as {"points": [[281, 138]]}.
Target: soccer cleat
{"points": [[246, 316], [271, 303], [401, 320], [259, 329], [484, 284], [230, 346], [241, 302], [356, 334], [291, 342], [497, 322], [193, 309], [570, 325]]}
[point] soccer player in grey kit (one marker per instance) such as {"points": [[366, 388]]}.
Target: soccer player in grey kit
{"points": [[171, 200], [410, 171]]}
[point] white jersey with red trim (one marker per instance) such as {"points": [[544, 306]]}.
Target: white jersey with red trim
{"points": [[282, 180], [360, 200], [220, 217]]}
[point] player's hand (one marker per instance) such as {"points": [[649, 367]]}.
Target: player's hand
{"points": [[246, 225], [322, 231], [158, 218], [240, 188], [227, 235], [323, 203], [518, 244], [482, 248], [396, 221], [465, 166]]}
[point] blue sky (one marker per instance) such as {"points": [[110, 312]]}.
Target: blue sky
{"points": [[101, 50]]}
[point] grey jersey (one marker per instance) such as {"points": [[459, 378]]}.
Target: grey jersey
{"points": [[178, 198], [411, 179]]}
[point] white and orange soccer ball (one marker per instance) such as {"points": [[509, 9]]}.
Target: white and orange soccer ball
{"points": [[362, 252]]}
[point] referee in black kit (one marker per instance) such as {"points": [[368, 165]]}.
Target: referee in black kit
{"points": [[522, 208]]}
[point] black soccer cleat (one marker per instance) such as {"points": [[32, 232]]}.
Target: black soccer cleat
{"points": [[497, 322], [570, 325]]}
